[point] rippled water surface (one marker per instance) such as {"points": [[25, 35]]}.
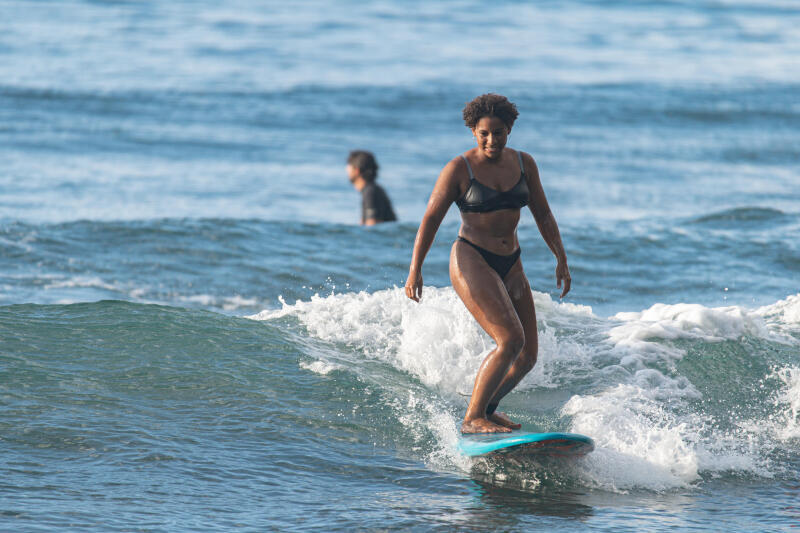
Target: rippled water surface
{"points": [[195, 334]]}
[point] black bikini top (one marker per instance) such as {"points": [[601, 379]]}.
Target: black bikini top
{"points": [[478, 198]]}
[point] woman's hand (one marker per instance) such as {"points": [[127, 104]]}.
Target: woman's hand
{"points": [[414, 286], [562, 274]]}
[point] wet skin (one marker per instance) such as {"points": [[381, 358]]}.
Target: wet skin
{"points": [[504, 308]]}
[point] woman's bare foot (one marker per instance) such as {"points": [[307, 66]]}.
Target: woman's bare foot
{"points": [[482, 425], [501, 419]]}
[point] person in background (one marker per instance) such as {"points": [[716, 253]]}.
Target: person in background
{"points": [[490, 184], [362, 169]]}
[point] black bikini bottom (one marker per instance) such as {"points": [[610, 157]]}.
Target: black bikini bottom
{"points": [[500, 263]]}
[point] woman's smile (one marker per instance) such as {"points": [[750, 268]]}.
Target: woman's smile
{"points": [[492, 135]]}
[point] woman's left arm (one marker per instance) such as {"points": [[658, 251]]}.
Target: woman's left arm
{"points": [[546, 222]]}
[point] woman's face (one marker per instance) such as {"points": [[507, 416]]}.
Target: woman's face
{"points": [[492, 135]]}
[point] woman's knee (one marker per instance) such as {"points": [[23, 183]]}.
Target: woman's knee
{"points": [[511, 344], [528, 358]]}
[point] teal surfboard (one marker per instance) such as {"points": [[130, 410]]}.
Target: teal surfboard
{"points": [[545, 444]]}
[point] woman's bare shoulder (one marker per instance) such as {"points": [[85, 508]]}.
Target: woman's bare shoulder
{"points": [[526, 157], [529, 163], [454, 178], [456, 167]]}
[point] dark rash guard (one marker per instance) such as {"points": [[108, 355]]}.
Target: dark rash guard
{"points": [[375, 204]]}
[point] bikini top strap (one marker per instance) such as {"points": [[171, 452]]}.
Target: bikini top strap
{"points": [[521, 167], [469, 168]]}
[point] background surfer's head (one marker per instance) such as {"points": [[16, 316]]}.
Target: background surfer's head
{"points": [[490, 105], [365, 163]]}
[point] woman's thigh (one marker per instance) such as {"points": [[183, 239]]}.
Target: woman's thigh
{"points": [[484, 294], [519, 291]]}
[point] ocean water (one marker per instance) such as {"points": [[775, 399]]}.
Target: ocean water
{"points": [[195, 334]]}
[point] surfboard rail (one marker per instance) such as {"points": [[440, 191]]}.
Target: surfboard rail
{"points": [[546, 444]]}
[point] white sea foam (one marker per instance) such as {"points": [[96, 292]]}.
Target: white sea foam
{"points": [[786, 425], [635, 408], [320, 367], [93, 282], [206, 300], [228, 303], [641, 333], [231, 303], [783, 315], [686, 321], [630, 419], [640, 442], [437, 340]]}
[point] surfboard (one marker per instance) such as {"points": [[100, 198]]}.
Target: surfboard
{"points": [[545, 444]]}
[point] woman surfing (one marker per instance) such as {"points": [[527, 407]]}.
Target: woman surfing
{"points": [[490, 184]]}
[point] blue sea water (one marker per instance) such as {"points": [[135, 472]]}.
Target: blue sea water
{"points": [[195, 334]]}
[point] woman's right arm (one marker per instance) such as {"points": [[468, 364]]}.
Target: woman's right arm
{"points": [[445, 192]]}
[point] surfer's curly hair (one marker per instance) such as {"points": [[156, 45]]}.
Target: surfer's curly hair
{"points": [[490, 105]]}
